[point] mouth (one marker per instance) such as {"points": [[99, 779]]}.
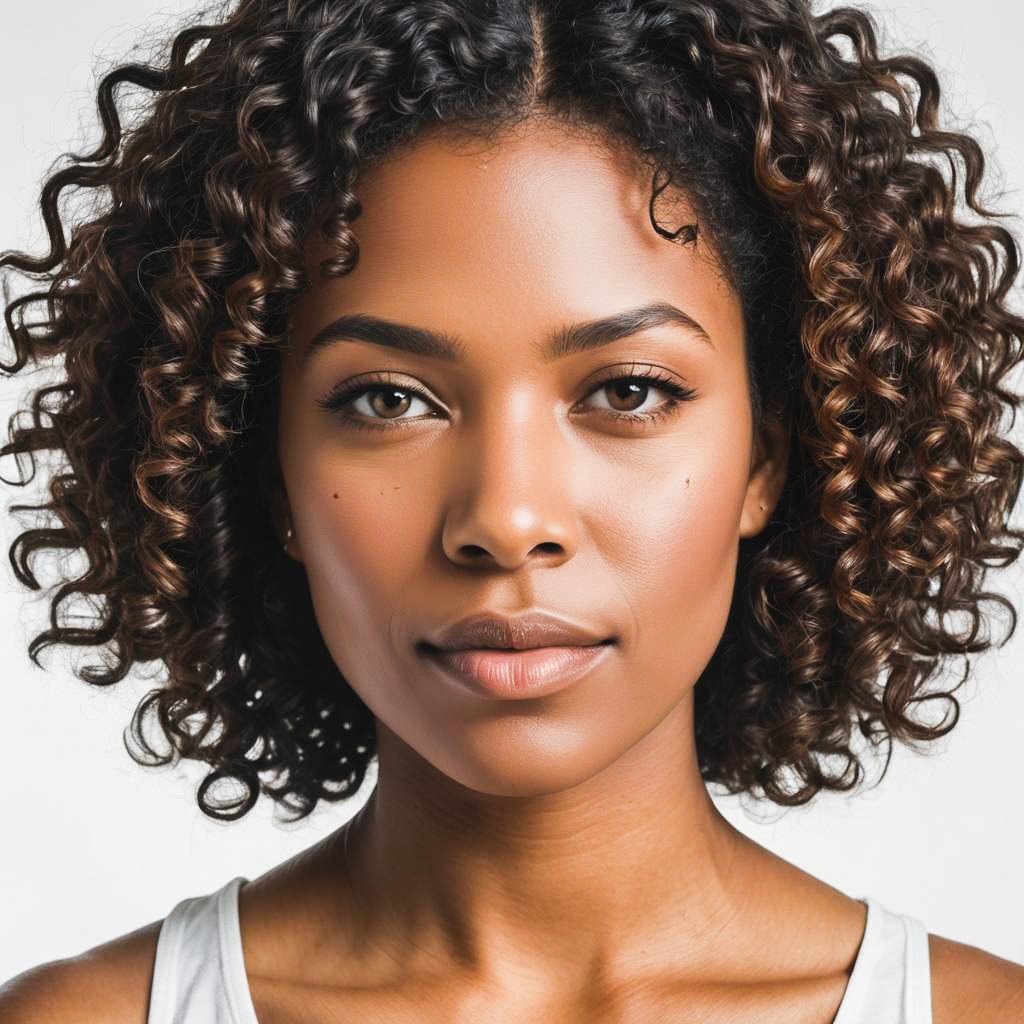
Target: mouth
{"points": [[517, 673]]}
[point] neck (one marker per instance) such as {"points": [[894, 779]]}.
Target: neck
{"points": [[631, 871]]}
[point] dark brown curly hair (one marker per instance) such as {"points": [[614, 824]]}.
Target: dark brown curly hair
{"points": [[871, 310]]}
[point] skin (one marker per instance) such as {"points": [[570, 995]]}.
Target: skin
{"points": [[561, 851]]}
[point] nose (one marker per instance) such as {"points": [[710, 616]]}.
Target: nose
{"points": [[511, 493]]}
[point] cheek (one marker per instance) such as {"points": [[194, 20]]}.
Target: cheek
{"points": [[364, 542], [680, 537]]}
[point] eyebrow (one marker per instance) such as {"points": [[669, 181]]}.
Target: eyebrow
{"points": [[564, 341]]}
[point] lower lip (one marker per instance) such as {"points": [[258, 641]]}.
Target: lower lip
{"points": [[511, 675]]}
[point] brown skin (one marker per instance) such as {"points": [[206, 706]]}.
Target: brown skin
{"points": [[561, 852], [558, 859]]}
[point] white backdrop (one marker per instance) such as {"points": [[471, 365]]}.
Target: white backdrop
{"points": [[94, 846]]}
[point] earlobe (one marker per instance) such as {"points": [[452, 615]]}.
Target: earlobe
{"points": [[286, 532], [767, 474], [275, 503], [281, 518], [289, 542]]}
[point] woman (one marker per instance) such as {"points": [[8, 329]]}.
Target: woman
{"points": [[568, 405]]}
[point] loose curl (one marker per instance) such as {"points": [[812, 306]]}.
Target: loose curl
{"points": [[875, 321]]}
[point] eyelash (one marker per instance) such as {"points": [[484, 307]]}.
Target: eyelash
{"points": [[345, 394]]}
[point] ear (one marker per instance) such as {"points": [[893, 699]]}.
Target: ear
{"points": [[274, 496], [284, 525], [768, 465]]}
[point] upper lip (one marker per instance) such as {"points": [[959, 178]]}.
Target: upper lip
{"points": [[517, 632]]}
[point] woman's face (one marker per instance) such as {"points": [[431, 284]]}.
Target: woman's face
{"points": [[505, 477]]}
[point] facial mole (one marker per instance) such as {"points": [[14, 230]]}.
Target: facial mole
{"points": [[335, 494]]}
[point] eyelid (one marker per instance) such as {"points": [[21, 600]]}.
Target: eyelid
{"points": [[365, 381], [635, 368]]}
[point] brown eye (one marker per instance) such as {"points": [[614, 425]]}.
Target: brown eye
{"points": [[374, 404], [388, 401], [628, 395]]}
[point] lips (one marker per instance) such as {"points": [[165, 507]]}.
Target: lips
{"points": [[519, 632], [516, 674], [532, 654]]}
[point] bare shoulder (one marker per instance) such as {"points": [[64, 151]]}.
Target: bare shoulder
{"points": [[108, 984], [970, 984]]}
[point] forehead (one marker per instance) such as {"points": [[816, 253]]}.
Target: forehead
{"points": [[545, 224]]}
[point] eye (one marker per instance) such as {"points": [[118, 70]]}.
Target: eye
{"points": [[628, 395], [386, 403]]}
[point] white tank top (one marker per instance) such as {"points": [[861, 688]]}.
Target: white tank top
{"points": [[199, 974]]}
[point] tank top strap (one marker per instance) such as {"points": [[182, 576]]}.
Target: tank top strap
{"points": [[891, 978], [198, 972]]}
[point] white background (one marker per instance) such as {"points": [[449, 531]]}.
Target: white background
{"points": [[94, 846]]}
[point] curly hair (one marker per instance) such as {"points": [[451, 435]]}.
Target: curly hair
{"points": [[874, 314]]}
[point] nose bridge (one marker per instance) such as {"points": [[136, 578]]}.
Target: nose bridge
{"points": [[513, 483]]}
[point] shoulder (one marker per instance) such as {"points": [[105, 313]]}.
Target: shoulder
{"points": [[108, 984], [970, 984]]}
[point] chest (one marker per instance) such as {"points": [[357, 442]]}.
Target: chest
{"points": [[804, 1001]]}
